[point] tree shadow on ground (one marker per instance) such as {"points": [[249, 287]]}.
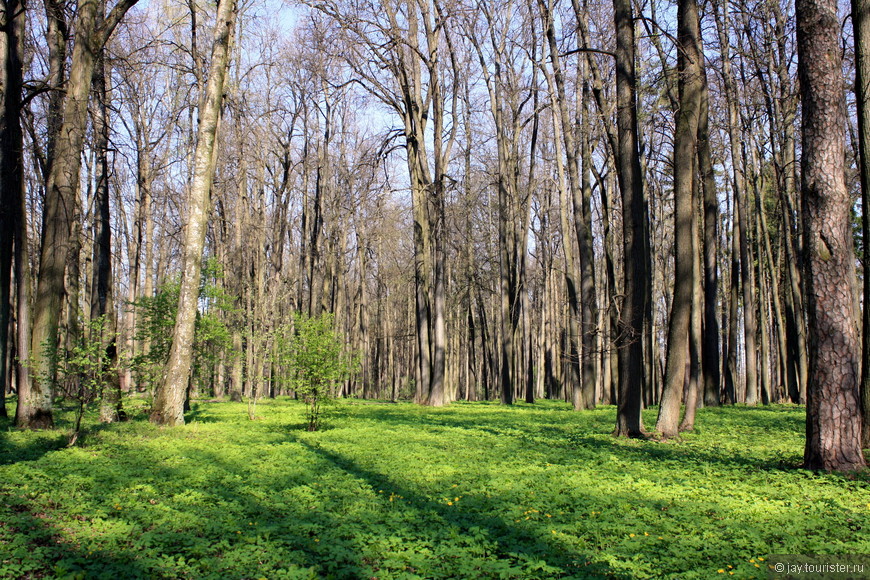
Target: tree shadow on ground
{"points": [[553, 436], [439, 522], [32, 548]]}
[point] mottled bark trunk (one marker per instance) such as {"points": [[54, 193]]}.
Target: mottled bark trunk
{"points": [[169, 400], [834, 420]]}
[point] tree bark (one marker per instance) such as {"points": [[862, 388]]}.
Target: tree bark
{"points": [[34, 410], [582, 338], [690, 65], [711, 360], [629, 422], [834, 420], [11, 182], [168, 406], [102, 295], [861, 27]]}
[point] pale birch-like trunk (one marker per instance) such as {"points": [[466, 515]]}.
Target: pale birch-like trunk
{"points": [[168, 408]]}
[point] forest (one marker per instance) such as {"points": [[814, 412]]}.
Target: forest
{"points": [[464, 289], [638, 204]]}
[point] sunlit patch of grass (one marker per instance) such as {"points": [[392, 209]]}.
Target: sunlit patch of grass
{"points": [[399, 491]]}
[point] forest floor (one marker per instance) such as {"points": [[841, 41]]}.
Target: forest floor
{"points": [[473, 490]]}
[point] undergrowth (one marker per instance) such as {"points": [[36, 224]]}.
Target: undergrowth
{"points": [[474, 490]]}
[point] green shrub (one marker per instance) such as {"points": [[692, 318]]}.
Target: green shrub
{"points": [[318, 362]]}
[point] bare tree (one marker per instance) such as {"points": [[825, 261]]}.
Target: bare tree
{"points": [[91, 33], [168, 408], [685, 282], [629, 422]]}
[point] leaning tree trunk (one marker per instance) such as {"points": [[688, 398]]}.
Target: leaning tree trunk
{"points": [[834, 420], [169, 402]]}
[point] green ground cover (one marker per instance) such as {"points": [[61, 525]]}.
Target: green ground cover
{"points": [[475, 490]]}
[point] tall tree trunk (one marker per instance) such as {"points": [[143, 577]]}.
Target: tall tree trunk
{"points": [[690, 65], [102, 299], [861, 27], [747, 279], [764, 335], [168, 406], [583, 230], [738, 184], [34, 409], [581, 296], [629, 422], [711, 362], [57, 39], [693, 393], [788, 368], [12, 214], [797, 326], [731, 375], [834, 419], [8, 209]]}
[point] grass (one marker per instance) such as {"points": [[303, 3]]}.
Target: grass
{"points": [[474, 490]]}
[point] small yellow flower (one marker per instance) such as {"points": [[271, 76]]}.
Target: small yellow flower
{"points": [[451, 503], [751, 560], [630, 535], [646, 533], [760, 559], [721, 571]]}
